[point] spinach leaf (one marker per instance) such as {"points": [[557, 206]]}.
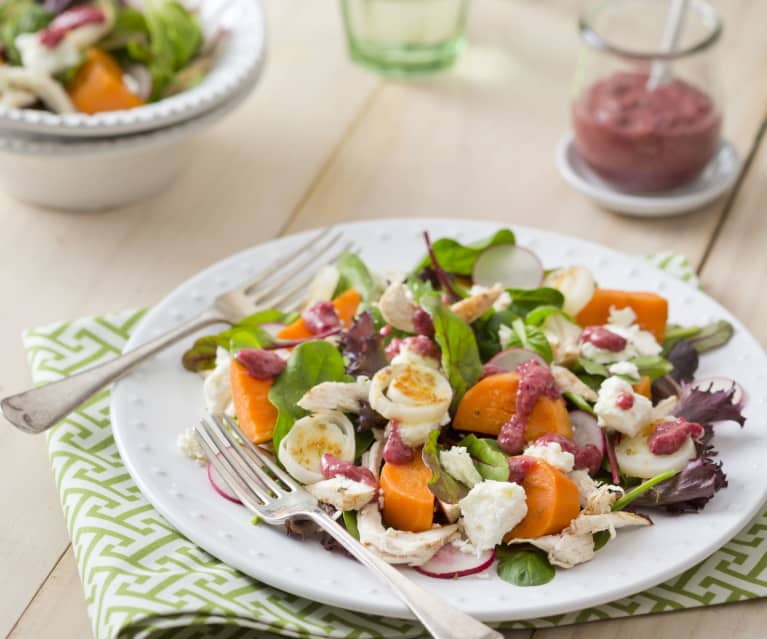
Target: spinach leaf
{"points": [[130, 34], [579, 402], [489, 460], [310, 364], [653, 366], [601, 537], [363, 439], [521, 335], [247, 333], [442, 484], [526, 300], [17, 17], [460, 356], [538, 316], [486, 331], [354, 274], [591, 367], [459, 259], [523, 566], [175, 37], [350, 523]]}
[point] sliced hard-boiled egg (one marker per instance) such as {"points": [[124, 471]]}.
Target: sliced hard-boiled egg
{"points": [[311, 437], [635, 459], [410, 392], [576, 283]]}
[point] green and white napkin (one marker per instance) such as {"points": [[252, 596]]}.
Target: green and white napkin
{"points": [[143, 579]]}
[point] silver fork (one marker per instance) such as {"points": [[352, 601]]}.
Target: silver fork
{"points": [[279, 285], [268, 491]]}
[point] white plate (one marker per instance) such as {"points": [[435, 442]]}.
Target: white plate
{"points": [[718, 176], [152, 405], [237, 64]]}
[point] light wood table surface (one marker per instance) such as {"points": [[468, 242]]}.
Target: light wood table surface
{"points": [[321, 141]]}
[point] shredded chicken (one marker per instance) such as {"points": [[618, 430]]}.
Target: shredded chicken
{"points": [[342, 493], [372, 458], [397, 546], [397, 308], [567, 381], [41, 85], [575, 544], [594, 498], [477, 305], [341, 396], [452, 511]]}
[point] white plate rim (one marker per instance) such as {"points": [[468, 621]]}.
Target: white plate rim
{"points": [[638, 205], [124, 402]]}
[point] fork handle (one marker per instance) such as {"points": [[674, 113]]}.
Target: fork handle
{"points": [[442, 620], [37, 409]]}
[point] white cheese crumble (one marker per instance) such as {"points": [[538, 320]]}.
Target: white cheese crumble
{"points": [[39, 58], [504, 299], [622, 316], [625, 368], [639, 343], [188, 444], [217, 388], [458, 463], [490, 510], [629, 422], [552, 453], [407, 355]]}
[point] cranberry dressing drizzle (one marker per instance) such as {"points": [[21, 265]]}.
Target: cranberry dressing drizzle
{"points": [[603, 338], [668, 436], [535, 381], [519, 466], [261, 364], [395, 451], [419, 344], [332, 466], [321, 317], [625, 401]]}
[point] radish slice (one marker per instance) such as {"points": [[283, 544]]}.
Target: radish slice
{"points": [[450, 562], [509, 359], [721, 384], [508, 265], [576, 283], [586, 430], [219, 485]]}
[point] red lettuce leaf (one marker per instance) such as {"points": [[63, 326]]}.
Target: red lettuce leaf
{"points": [[706, 406], [363, 347]]}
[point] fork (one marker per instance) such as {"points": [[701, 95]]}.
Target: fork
{"points": [[272, 494], [279, 285]]}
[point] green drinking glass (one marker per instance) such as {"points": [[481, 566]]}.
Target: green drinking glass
{"points": [[405, 37]]}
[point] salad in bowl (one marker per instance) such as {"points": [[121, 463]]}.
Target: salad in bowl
{"points": [[69, 56], [476, 407]]}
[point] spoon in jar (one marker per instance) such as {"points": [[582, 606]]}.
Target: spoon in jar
{"points": [[660, 73]]}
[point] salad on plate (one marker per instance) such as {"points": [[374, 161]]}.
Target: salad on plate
{"points": [[476, 407], [69, 56]]}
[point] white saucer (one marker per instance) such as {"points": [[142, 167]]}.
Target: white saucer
{"points": [[717, 177]]}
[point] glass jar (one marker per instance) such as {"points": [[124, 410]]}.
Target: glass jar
{"points": [[403, 37], [645, 119]]}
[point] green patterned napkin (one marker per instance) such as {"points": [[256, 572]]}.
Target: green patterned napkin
{"points": [[143, 579]]}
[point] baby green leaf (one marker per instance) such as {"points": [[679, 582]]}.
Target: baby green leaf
{"points": [[523, 566]]}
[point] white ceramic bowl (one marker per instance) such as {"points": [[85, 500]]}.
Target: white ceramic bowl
{"points": [[238, 62], [90, 175]]}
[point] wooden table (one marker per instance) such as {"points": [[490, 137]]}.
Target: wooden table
{"points": [[323, 141]]}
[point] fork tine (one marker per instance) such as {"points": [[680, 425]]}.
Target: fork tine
{"points": [[286, 259], [244, 464], [299, 263], [283, 296], [264, 457], [248, 495]]}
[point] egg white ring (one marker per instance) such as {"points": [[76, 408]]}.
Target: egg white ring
{"points": [[343, 428], [642, 463], [406, 410]]}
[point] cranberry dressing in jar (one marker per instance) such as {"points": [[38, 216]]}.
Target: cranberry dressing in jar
{"points": [[646, 135], [643, 139]]}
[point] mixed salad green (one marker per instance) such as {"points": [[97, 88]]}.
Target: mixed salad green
{"points": [[69, 55], [478, 408]]}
